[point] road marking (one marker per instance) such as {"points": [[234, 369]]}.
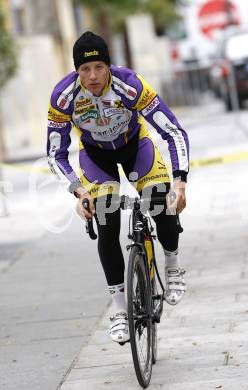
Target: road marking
{"points": [[194, 164]]}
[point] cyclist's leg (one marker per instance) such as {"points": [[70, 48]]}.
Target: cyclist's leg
{"points": [[168, 236], [147, 174], [145, 166], [101, 178], [112, 260]]}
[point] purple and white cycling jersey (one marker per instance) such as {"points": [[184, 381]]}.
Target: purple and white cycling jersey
{"points": [[111, 120]]}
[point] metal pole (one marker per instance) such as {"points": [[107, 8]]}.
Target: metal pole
{"points": [[3, 203], [3, 206], [232, 89]]}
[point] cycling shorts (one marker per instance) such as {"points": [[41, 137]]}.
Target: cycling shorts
{"points": [[140, 159]]}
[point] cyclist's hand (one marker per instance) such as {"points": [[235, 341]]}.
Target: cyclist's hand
{"points": [[180, 200], [81, 194]]}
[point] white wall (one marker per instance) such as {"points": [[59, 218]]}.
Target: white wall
{"points": [[24, 100], [150, 54]]}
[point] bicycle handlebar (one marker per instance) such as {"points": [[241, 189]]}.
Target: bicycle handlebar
{"points": [[126, 202]]}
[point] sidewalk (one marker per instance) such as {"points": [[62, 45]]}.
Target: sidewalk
{"points": [[203, 342]]}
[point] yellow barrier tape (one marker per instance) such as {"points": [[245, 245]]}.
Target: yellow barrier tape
{"points": [[194, 164], [25, 168], [225, 159]]}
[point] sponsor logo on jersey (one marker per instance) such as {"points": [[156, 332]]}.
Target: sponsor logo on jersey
{"points": [[162, 165], [112, 111], [56, 117], [153, 177], [124, 88], [154, 103], [113, 104], [113, 130], [118, 104], [83, 110], [107, 103], [132, 93], [91, 53], [93, 114], [146, 98], [103, 121], [171, 128], [57, 125], [83, 102], [66, 97], [62, 103]]}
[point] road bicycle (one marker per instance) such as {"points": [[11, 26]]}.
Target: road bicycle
{"points": [[145, 290]]}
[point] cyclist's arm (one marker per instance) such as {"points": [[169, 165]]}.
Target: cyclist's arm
{"points": [[58, 142], [158, 114], [168, 127]]}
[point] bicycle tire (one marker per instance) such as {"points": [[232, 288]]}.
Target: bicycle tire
{"points": [[139, 317], [154, 324]]}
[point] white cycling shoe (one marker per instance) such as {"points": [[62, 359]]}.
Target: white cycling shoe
{"points": [[175, 285], [119, 330]]}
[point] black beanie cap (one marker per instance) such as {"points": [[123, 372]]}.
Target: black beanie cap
{"points": [[90, 47]]}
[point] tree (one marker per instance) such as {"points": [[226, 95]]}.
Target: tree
{"points": [[109, 15], [163, 12], [8, 67]]}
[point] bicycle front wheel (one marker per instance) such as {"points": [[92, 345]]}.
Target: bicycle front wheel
{"points": [[139, 317], [154, 323]]}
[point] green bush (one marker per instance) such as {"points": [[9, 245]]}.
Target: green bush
{"points": [[8, 62]]}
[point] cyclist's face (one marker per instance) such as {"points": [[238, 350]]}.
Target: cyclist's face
{"points": [[94, 76]]}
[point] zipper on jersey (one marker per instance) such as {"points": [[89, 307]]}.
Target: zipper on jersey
{"points": [[97, 106]]}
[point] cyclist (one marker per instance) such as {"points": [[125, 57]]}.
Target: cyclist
{"points": [[107, 106]]}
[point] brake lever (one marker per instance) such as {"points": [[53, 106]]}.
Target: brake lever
{"points": [[89, 222], [179, 226]]}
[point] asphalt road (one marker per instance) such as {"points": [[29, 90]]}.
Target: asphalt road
{"points": [[52, 287], [52, 294]]}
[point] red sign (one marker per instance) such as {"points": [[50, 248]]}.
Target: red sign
{"points": [[217, 14]]}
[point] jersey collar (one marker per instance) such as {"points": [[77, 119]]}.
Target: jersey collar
{"points": [[107, 87]]}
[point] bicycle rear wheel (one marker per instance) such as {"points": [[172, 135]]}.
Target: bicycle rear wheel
{"points": [[139, 317]]}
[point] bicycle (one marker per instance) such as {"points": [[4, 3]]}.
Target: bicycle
{"points": [[145, 290]]}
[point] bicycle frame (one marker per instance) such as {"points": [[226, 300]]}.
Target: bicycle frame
{"points": [[143, 310], [143, 238]]}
